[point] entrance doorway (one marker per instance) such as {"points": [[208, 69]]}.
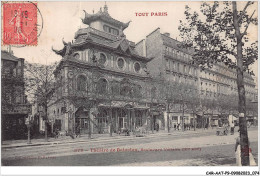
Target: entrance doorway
{"points": [[82, 121], [122, 119]]}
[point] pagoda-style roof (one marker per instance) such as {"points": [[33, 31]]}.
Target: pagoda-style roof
{"points": [[104, 16], [90, 37]]}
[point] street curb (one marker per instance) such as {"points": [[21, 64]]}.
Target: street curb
{"points": [[98, 139]]}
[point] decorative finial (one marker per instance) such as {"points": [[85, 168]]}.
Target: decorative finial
{"points": [[105, 7], [93, 11]]}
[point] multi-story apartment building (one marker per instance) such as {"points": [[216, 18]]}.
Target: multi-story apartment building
{"points": [[102, 80], [174, 64], [15, 108]]}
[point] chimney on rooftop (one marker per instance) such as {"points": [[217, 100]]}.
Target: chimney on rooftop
{"points": [[9, 50], [167, 34]]}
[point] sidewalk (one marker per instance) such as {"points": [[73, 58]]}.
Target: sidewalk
{"points": [[96, 137]]}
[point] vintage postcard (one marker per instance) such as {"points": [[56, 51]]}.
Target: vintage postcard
{"points": [[130, 84]]}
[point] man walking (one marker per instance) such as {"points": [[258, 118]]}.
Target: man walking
{"points": [[232, 128]]}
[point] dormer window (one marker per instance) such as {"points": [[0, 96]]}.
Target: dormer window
{"points": [[110, 30]]}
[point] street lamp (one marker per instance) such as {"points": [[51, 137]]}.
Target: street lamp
{"points": [[29, 124]]}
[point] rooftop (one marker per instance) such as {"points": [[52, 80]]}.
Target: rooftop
{"points": [[104, 16], [167, 40], [8, 56]]}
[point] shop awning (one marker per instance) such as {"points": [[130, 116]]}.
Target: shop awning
{"points": [[119, 104]]}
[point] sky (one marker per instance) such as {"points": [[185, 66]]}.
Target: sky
{"points": [[63, 19]]}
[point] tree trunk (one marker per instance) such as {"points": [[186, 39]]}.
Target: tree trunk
{"points": [[168, 118], [111, 123], [46, 127], [183, 116], [194, 122], [29, 133], [241, 92], [152, 124], [89, 125], [46, 132]]}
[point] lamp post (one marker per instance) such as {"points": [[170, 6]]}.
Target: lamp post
{"points": [[28, 124]]}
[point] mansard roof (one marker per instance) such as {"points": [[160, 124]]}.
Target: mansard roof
{"points": [[103, 16], [174, 44]]}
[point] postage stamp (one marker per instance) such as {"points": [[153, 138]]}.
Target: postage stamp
{"points": [[19, 23]]}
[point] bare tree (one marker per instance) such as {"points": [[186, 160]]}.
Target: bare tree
{"points": [[39, 86], [219, 33]]}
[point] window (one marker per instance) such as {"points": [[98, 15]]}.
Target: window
{"points": [[106, 28], [102, 86], [103, 59], [126, 90], [76, 56], [8, 68], [115, 88], [114, 31], [110, 30], [137, 67], [184, 69], [178, 67], [81, 83], [121, 63], [137, 89], [166, 64], [173, 65]]}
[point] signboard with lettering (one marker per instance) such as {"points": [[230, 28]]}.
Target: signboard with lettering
{"points": [[18, 109]]}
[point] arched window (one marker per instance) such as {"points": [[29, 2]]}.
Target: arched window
{"points": [[115, 87], [81, 83], [137, 91], [102, 86]]}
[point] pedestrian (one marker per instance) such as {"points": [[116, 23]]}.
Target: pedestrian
{"points": [[56, 132], [157, 127], [232, 128], [78, 131]]}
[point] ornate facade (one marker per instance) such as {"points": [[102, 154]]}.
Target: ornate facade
{"points": [[102, 81]]}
